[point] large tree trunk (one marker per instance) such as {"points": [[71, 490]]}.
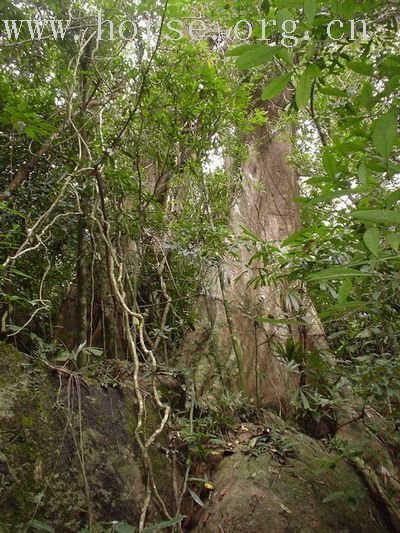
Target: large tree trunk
{"points": [[229, 347]]}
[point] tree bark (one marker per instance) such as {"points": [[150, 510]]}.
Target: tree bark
{"points": [[266, 207]]}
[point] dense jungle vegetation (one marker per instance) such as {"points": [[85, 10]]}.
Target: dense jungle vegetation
{"points": [[207, 222]]}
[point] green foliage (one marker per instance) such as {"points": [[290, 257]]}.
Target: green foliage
{"points": [[379, 216], [276, 86], [303, 90], [384, 134], [39, 525], [255, 55], [123, 527], [315, 396], [346, 93], [110, 527], [164, 524], [310, 10], [354, 497], [159, 185], [372, 240], [108, 143]]}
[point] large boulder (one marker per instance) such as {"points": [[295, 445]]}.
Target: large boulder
{"points": [[288, 482], [67, 449]]}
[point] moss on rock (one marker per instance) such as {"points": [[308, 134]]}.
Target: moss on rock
{"points": [[310, 490], [53, 439]]}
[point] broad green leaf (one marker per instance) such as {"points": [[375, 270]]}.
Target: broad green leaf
{"points": [[257, 55], [363, 174], [304, 401], [303, 91], [297, 237], [372, 240], [301, 200], [164, 524], [332, 91], [95, 351], [196, 498], [366, 98], [40, 526], [389, 258], [336, 272], [333, 497], [352, 147], [361, 67], [283, 53], [393, 240], [250, 234], [393, 198], [319, 180], [345, 290], [310, 10], [384, 134], [329, 163], [344, 8], [265, 7], [344, 308], [63, 356], [275, 86], [332, 195], [124, 527], [281, 16], [377, 216], [238, 50], [391, 86]]}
